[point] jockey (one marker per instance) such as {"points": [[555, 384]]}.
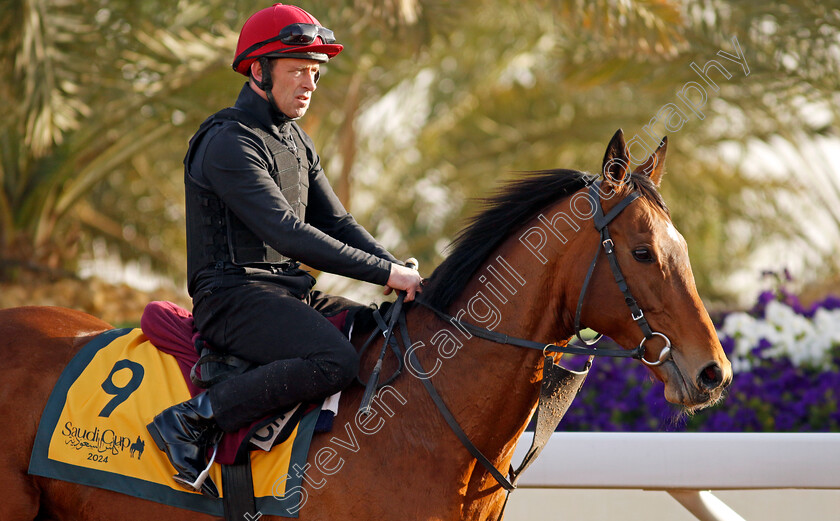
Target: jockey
{"points": [[258, 204]]}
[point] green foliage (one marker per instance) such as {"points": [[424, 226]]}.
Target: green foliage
{"points": [[430, 104], [541, 86], [102, 98]]}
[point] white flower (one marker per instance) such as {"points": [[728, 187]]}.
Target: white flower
{"points": [[802, 340]]}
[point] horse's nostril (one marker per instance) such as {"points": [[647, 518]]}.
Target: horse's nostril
{"points": [[710, 378]]}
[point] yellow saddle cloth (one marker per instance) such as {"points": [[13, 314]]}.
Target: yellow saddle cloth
{"points": [[93, 430]]}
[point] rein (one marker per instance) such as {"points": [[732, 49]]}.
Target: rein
{"points": [[556, 380]]}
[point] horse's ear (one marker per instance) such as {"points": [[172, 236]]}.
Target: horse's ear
{"points": [[654, 167], [616, 162]]}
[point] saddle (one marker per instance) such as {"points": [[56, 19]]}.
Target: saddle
{"points": [[171, 328], [93, 427]]}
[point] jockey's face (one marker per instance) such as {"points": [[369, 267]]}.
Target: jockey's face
{"points": [[294, 82]]}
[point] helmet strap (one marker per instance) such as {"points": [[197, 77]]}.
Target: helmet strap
{"points": [[266, 84]]}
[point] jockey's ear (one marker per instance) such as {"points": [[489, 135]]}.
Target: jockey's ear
{"points": [[615, 168], [654, 167], [257, 72]]}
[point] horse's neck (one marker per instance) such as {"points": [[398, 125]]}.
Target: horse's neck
{"points": [[492, 388]]}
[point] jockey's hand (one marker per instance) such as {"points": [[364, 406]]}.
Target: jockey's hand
{"points": [[406, 279]]}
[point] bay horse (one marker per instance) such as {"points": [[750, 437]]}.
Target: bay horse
{"points": [[519, 269]]}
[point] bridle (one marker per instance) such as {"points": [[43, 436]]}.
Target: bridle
{"points": [[601, 222], [394, 320]]}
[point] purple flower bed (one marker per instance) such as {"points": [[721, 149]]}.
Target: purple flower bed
{"points": [[786, 360]]}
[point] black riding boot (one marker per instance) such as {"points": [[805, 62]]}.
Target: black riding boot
{"points": [[185, 432]]}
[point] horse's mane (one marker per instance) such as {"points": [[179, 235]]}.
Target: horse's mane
{"points": [[514, 204]]}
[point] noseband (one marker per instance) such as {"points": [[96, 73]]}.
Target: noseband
{"points": [[601, 224]]}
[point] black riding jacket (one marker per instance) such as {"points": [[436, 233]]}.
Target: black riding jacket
{"points": [[241, 226]]}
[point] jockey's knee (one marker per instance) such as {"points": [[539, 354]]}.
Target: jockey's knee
{"points": [[341, 369]]}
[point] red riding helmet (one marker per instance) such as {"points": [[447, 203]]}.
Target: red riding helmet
{"points": [[283, 31]]}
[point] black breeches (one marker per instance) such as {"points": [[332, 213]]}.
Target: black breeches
{"points": [[302, 357]]}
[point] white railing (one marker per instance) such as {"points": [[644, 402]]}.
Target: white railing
{"points": [[686, 465]]}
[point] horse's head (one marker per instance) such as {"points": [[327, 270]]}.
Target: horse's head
{"points": [[653, 258]]}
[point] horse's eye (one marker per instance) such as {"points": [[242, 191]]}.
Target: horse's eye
{"points": [[643, 255]]}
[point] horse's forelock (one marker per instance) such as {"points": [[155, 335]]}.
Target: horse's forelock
{"points": [[643, 183]]}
